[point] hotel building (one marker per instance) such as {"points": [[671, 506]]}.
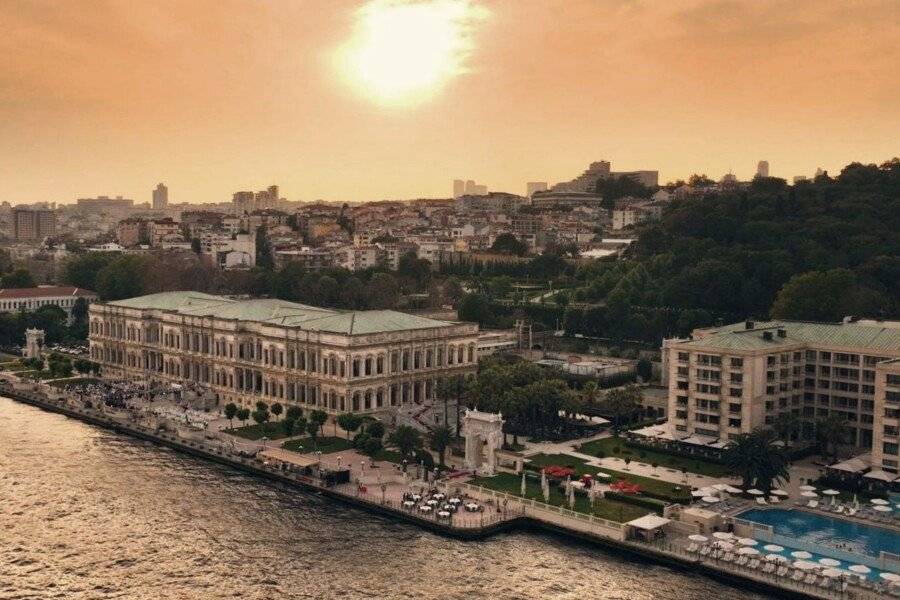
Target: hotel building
{"points": [[273, 350], [733, 379], [886, 443]]}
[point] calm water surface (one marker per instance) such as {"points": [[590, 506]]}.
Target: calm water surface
{"points": [[90, 514]]}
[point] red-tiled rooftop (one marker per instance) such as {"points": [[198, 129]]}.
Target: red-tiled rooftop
{"points": [[44, 292]]}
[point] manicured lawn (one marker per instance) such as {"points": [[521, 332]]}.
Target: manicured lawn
{"points": [[391, 456], [325, 445], [272, 430], [615, 447], [654, 486], [603, 508]]}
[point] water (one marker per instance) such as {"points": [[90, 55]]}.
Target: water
{"points": [[89, 514]]}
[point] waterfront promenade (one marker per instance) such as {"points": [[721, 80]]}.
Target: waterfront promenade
{"points": [[499, 511]]}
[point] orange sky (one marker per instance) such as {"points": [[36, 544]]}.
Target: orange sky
{"points": [[214, 96]]}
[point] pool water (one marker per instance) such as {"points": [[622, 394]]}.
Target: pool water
{"points": [[827, 532]]}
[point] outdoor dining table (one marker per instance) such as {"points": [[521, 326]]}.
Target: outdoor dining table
{"points": [[416, 497], [443, 513], [454, 500], [438, 496], [425, 508], [408, 503], [471, 506], [432, 502]]}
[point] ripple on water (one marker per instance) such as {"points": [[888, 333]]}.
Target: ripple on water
{"points": [[90, 514]]}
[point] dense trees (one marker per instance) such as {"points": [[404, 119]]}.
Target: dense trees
{"points": [[19, 278], [613, 188], [507, 243]]}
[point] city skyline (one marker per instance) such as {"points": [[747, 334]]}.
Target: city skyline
{"points": [[111, 98]]}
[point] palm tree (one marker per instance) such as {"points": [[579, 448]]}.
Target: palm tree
{"points": [[590, 393], [406, 439], [831, 432], [757, 459], [786, 426], [440, 439]]}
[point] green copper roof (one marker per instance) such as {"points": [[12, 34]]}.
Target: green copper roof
{"points": [[869, 336], [282, 312]]}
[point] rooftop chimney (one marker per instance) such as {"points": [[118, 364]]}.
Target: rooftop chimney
{"points": [[767, 335], [782, 332], [748, 324]]}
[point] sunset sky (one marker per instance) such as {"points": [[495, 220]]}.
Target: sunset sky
{"points": [[355, 100]]}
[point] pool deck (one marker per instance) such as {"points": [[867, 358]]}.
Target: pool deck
{"points": [[505, 512]]}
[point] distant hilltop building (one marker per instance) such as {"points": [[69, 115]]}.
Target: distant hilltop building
{"points": [[535, 186], [101, 203], [762, 168], [33, 224], [468, 188], [160, 197], [587, 181], [250, 201]]}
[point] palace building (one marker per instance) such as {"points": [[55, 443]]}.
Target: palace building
{"points": [[277, 351]]}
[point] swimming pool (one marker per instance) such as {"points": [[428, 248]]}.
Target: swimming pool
{"points": [[826, 532]]}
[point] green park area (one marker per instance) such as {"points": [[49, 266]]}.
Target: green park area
{"points": [[662, 489], [605, 509], [325, 445], [616, 447], [61, 383]]}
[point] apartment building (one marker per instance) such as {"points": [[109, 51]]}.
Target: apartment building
{"points": [[272, 350], [733, 379], [33, 224]]}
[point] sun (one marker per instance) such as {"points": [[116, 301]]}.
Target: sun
{"points": [[404, 52]]}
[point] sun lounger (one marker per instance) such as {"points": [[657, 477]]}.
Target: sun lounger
{"points": [[839, 510], [760, 500], [782, 571], [774, 500], [728, 557], [813, 504], [851, 511], [810, 579], [754, 564], [693, 548], [825, 583], [705, 550], [798, 575]]}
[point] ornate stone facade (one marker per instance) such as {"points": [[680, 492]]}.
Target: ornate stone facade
{"points": [[484, 437], [277, 351]]}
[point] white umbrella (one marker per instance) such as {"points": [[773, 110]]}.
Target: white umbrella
{"points": [[755, 492], [779, 492], [773, 548], [604, 475], [723, 545], [829, 562], [748, 551], [522, 489], [832, 572], [809, 494], [711, 499], [831, 492], [881, 508], [861, 569], [747, 542], [804, 565], [807, 488], [777, 558], [698, 538], [723, 535], [571, 496], [880, 502], [734, 490], [801, 554], [892, 577], [543, 478], [698, 493], [722, 487]]}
